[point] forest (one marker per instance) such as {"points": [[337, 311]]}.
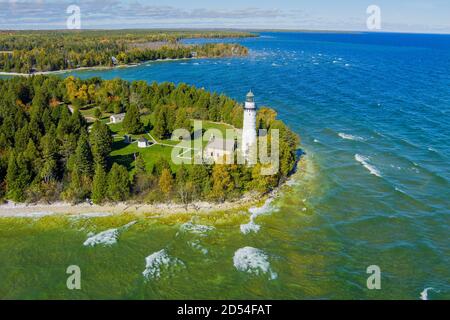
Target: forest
{"points": [[49, 152], [41, 51]]}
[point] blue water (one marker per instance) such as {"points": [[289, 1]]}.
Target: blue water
{"points": [[373, 114]]}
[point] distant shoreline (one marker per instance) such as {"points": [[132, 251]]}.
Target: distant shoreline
{"points": [[4, 73]]}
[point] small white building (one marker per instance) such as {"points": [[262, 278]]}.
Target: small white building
{"points": [[117, 118], [218, 149], [143, 143]]}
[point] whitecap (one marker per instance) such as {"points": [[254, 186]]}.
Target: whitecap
{"points": [[196, 228], [197, 246], [253, 261], [254, 213], [363, 160], [350, 136], [107, 237], [424, 293], [250, 227], [159, 261]]}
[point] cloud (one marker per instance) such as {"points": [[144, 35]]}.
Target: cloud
{"points": [[17, 14]]}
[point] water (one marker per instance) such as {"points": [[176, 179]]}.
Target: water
{"points": [[373, 114]]}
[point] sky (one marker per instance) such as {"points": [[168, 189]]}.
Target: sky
{"points": [[424, 16]]}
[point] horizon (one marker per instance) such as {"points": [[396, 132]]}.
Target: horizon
{"points": [[414, 16]]}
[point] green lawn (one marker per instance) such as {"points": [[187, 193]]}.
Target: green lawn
{"points": [[124, 153]]}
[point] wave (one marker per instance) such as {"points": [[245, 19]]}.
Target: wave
{"points": [[253, 261], [159, 261], [363, 160], [196, 228], [197, 246], [37, 214], [107, 237], [250, 227], [254, 213], [350, 137], [424, 293], [94, 215]]}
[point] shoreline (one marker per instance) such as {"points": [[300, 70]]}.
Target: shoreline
{"points": [[122, 66], [86, 210], [61, 208]]}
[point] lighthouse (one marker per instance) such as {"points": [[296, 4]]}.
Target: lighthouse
{"points": [[249, 129]]}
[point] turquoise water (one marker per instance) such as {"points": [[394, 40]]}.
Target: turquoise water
{"points": [[373, 114]]}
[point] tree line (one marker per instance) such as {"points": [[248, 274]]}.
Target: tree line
{"points": [[37, 51], [49, 153]]}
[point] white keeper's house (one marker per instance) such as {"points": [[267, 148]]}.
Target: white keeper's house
{"points": [[117, 118]]}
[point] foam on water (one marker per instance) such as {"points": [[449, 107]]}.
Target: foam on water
{"points": [[424, 293], [197, 246], [107, 237], [37, 214], [159, 261], [253, 261], [363, 160], [255, 212], [196, 228], [94, 215], [250, 227], [347, 136]]}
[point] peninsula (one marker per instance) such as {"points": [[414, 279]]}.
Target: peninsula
{"points": [[37, 52], [111, 141]]}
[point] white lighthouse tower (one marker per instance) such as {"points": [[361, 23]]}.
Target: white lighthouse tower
{"points": [[249, 129]]}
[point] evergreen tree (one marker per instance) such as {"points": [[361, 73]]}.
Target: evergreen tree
{"points": [[132, 121], [140, 165], [83, 155], [118, 183], [101, 142], [100, 185], [17, 178], [160, 125]]}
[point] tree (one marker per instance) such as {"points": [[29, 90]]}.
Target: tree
{"points": [[101, 142], [97, 113], [17, 178], [222, 182], [118, 183], [100, 185], [132, 121], [160, 125], [140, 165], [49, 169], [200, 179], [83, 155], [166, 182]]}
